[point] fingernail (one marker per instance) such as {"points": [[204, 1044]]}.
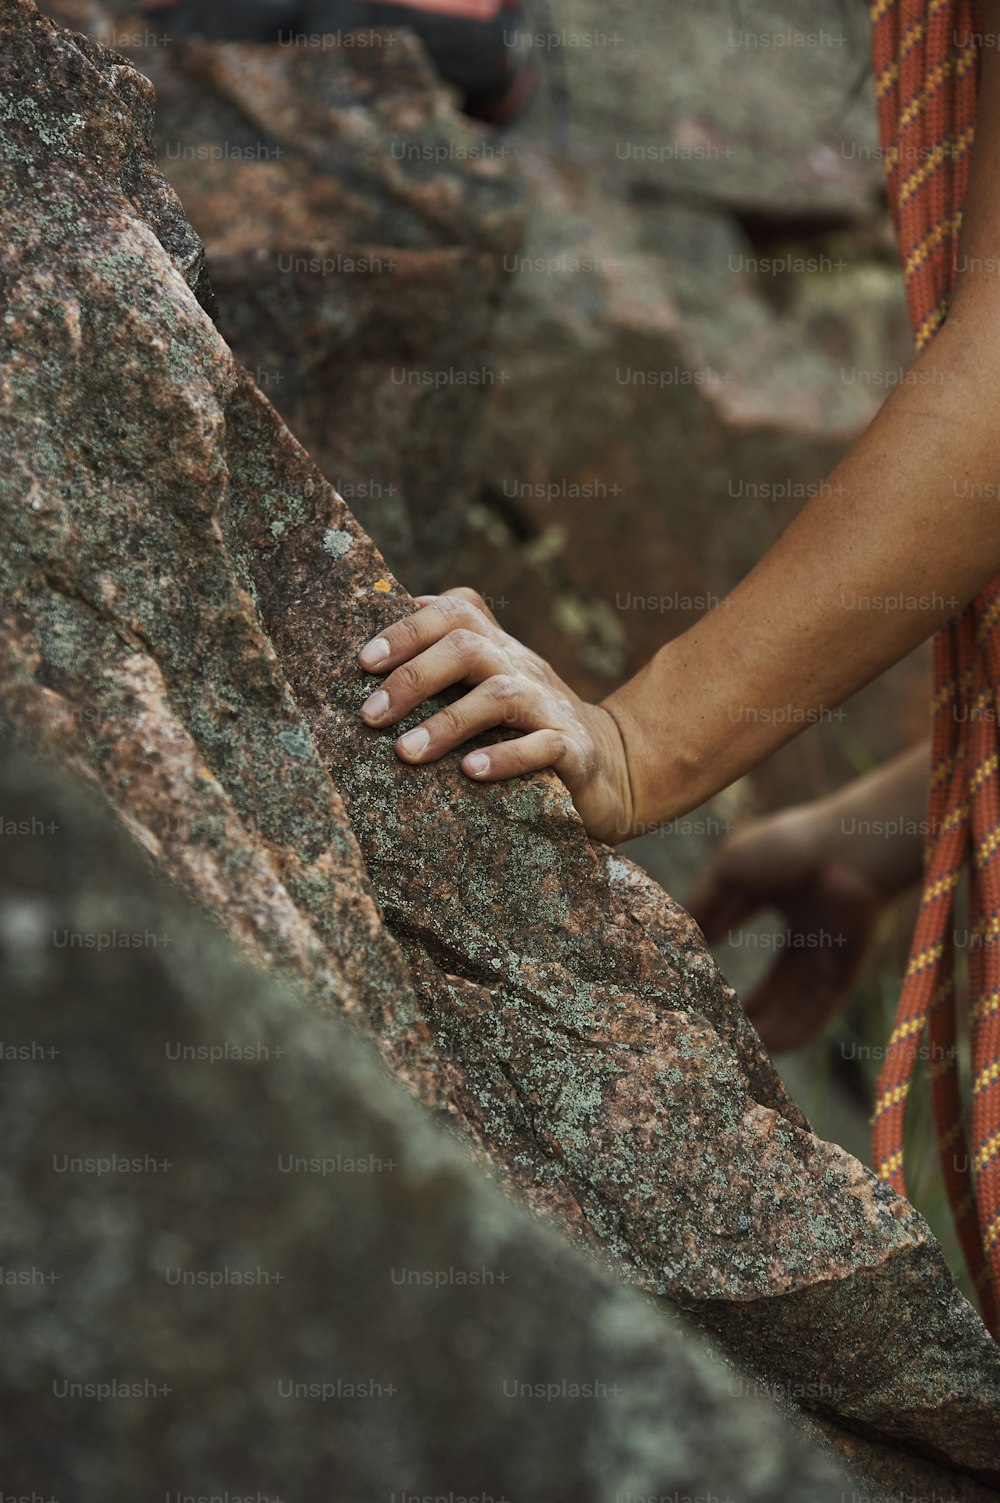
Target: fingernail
{"points": [[414, 742], [478, 763], [375, 652], [376, 705]]}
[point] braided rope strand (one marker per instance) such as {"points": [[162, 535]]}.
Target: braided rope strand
{"points": [[925, 54]]}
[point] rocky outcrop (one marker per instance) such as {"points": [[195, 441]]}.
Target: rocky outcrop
{"points": [[690, 328], [762, 110], [183, 598], [703, 310], [238, 1260], [357, 229]]}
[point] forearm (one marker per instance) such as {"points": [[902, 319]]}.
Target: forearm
{"points": [[877, 824], [906, 532]]}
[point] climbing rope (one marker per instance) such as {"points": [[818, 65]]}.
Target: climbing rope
{"points": [[926, 56]]}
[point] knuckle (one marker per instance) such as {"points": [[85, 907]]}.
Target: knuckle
{"points": [[506, 696], [503, 688], [536, 671], [465, 642], [403, 634], [556, 745], [518, 757], [466, 592], [448, 724], [408, 679], [455, 608]]}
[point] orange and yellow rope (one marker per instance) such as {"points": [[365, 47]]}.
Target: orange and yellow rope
{"points": [[926, 69]]}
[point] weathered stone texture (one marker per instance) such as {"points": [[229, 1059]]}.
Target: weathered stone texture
{"points": [[221, 1199], [183, 599], [356, 229]]}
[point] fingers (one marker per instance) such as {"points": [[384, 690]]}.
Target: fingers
{"points": [[792, 1004], [462, 656], [743, 877], [826, 944], [405, 638], [531, 753], [500, 700], [463, 592], [455, 638], [718, 905]]}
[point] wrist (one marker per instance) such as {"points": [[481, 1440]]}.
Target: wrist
{"points": [[663, 783], [681, 746], [615, 820]]}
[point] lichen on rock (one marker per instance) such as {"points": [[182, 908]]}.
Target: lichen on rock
{"points": [[178, 629]]}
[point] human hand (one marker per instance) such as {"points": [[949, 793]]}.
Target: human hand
{"points": [[454, 638], [830, 906]]}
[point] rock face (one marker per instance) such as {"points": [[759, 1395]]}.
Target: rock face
{"points": [[695, 325], [183, 599], [238, 1260], [751, 112], [357, 229], [357, 235]]}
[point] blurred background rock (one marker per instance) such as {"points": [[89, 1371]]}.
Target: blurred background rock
{"points": [[591, 364]]}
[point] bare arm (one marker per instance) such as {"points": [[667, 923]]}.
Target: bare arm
{"points": [[911, 515], [878, 823], [829, 868]]}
